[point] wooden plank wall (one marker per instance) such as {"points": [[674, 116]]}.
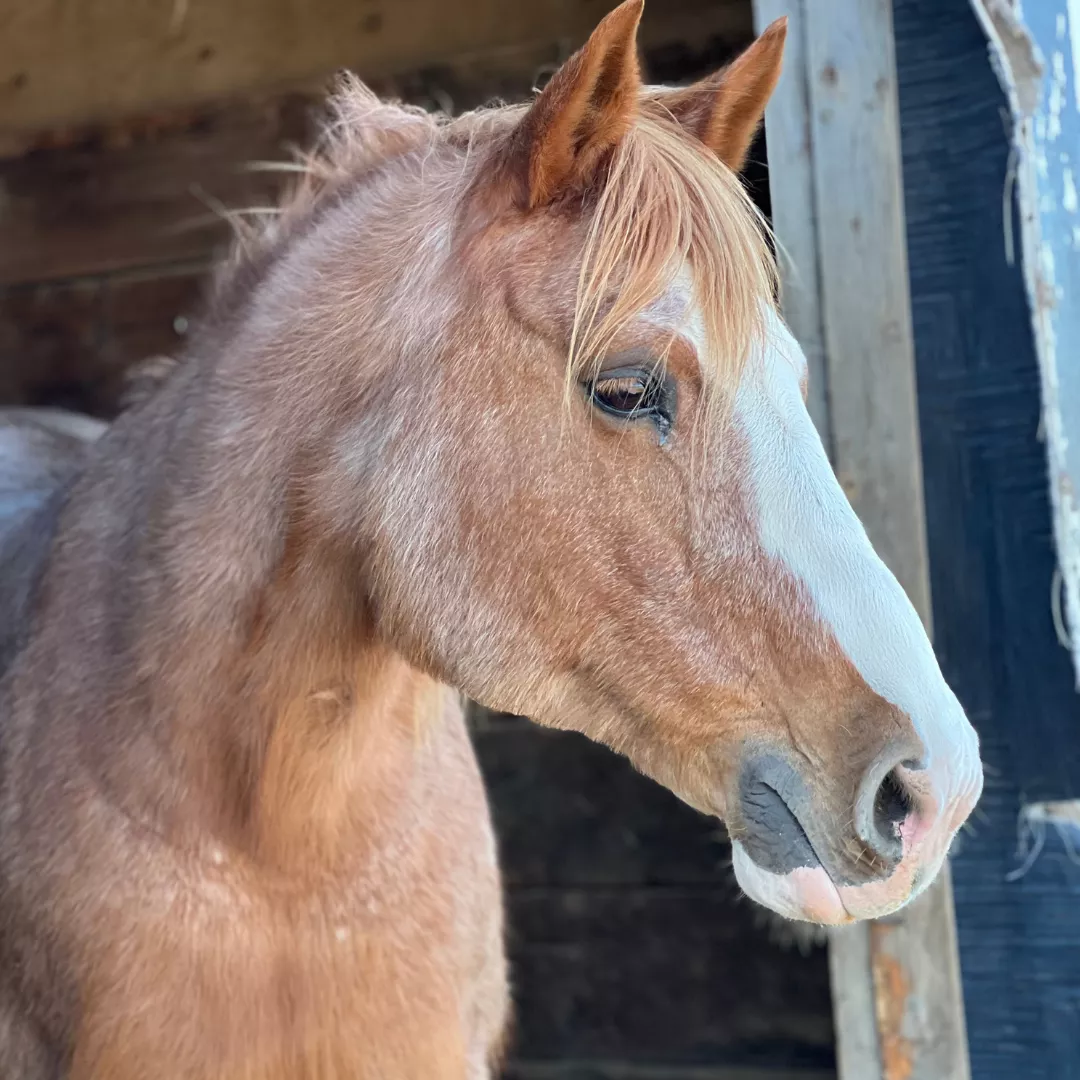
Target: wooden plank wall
{"points": [[633, 953]]}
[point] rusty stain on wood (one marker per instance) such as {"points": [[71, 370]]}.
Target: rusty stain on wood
{"points": [[892, 987]]}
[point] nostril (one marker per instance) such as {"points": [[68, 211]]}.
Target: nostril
{"points": [[883, 806], [892, 804]]}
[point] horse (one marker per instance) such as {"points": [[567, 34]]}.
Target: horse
{"points": [[497, 405]]}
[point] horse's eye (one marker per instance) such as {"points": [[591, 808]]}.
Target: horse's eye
{"points": [[633, 394]]}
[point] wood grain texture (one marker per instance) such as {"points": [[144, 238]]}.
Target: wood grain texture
{"points": [[898, 998], [915, 969], [154, 189], [792, 184], [141, 193], [858, 1050], [90, 220], [864, 271], [71, 63]]}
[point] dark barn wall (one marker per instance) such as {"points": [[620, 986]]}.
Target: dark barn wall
{"points": [[634, 958], [991, 550], [633, 953]]}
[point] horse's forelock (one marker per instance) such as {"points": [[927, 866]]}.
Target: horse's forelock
{"points": [[668, 206]]}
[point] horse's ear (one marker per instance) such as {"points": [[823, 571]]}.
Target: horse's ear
{"points": [[725, 109], [583, 112]]}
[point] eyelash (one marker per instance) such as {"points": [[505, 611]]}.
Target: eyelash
{"points": [[635, 394]]}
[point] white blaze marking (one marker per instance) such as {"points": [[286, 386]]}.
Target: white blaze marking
{"points": [[805, 520]]}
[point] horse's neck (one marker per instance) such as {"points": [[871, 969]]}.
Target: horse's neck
{"points": [[247, 701], [342, 762]]}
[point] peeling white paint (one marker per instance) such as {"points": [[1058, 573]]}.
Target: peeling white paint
{"points": [[1068, 191], [1039, 156], [1047, 266], [1036, 820], [1056, 100], [1047, 193], [1072, 7]]}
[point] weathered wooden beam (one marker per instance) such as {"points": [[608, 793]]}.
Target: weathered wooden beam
{"points": [[896, 983], [793, 196], [153, 190], [106, 231], [862, 258], [157, 189], [141, 193], [77, 62]]}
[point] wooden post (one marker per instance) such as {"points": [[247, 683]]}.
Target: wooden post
{"points": [[837, 194]]}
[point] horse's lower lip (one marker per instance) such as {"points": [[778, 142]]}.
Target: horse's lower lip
{"points": [[807, 893], [819, 897]]}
